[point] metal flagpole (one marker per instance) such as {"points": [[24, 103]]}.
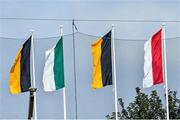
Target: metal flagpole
{"points": [[165, 71], [114, 73], [64, 90], [33, 74], [74, 57]]}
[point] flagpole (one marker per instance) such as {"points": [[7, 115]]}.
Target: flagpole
{"points": [[165, 71], [74, 57], [64, 90], [33, 74], [114, 73]]}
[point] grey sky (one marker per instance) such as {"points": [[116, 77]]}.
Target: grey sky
{"points": [[129, 54]]}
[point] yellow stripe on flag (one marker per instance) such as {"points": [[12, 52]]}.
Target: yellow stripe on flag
{"points": [[15, 87], [97, 74]]}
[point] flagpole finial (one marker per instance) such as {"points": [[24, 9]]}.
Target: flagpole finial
{"points": [[61, 26], [32, 31], [112, 25], [163, 24], [73, 21], [61, 30]]}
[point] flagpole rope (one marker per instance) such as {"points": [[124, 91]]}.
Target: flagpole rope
{"points": [[89, 20], [116, 39], [126, 39], [37, 38], [36, 19]]}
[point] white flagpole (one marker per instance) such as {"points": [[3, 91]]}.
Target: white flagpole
{"points": [[33, 74], [114, 73], [64, 90], [165, 71]]}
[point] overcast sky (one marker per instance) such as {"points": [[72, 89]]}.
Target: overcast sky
{"points": [[129, 54]]}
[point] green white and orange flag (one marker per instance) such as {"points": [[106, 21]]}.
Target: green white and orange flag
{"points": [[53, 77]]}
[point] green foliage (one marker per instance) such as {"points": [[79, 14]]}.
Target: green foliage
{"points": [[156, 110], [148, 107], [174, 105]]}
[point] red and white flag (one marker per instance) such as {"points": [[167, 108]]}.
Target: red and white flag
{"points": [[153, 61]]}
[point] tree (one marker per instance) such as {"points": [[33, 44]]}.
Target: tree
{"points": [[148, 107], [174, 105], [156, 110], [138, 109]]}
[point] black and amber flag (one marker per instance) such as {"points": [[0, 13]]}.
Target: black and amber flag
{"points": [[20, 78], [102, 64]]}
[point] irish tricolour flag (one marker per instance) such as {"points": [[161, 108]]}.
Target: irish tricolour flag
{"points": [[53, 77], [153, 61]]}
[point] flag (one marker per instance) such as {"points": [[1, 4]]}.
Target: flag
{"points": [[53, 77], [153, 65], [20, 76], [102, 64]]}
